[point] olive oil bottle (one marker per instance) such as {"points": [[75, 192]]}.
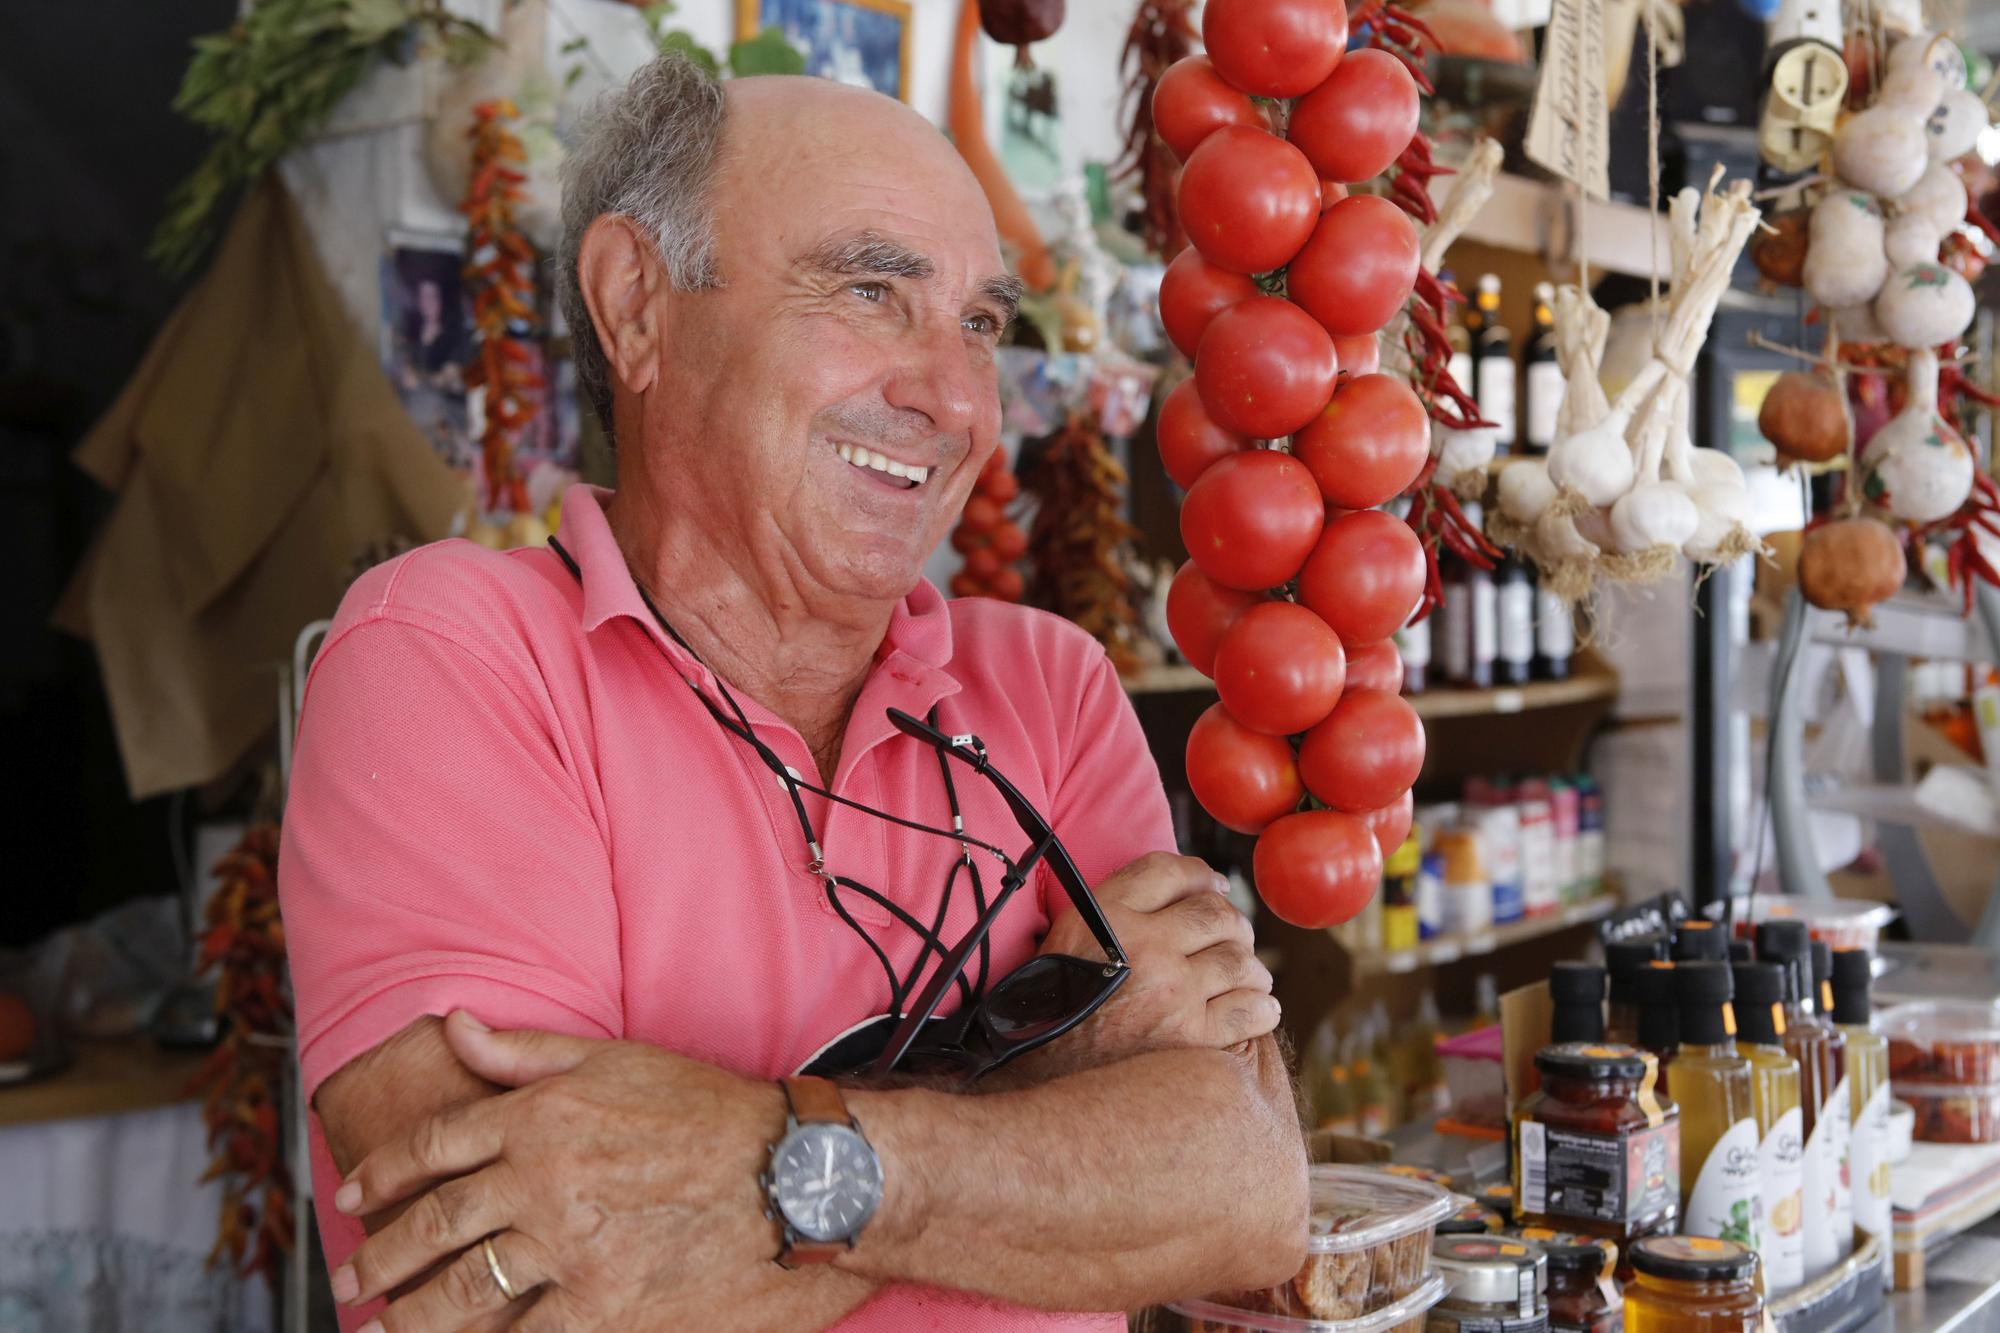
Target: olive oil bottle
{"points": [[1823, 1098], [1774, 1087], [1720, 1187], [1868, 1090]]}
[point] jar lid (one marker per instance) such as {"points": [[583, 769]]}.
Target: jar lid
{"points": [[1392, 1316], [1570, 1252], [1693, 1258], [1491, 1269], [1579, 1059], [1356, 1207]]}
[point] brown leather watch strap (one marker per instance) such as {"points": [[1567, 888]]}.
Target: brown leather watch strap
{"points": [[816, 1101]]}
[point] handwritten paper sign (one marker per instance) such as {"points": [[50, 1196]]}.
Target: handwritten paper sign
{"points": [[1569, 128]]}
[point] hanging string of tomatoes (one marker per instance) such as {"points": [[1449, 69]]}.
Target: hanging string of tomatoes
{"points": [[500, 274], [243, 944], [990, 541]]}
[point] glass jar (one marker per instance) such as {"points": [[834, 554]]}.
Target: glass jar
{"points": [[1583, 1296], [1693, 1284], [1596, 1149], [1494, 1285]]}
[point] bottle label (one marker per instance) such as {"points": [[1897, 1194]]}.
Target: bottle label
{"points": [[1413, 643], [1517, 621], [1840, 1128], [1496, 395], [1485, 621], [1555, 631], [1781, 1168], [1534, 1323], [1545, 391], [1869, 1171], [1828, 1226], [1599, 1177], [1727, 1193], [1461, 371]]}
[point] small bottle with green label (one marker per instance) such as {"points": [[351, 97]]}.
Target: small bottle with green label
{"points": [[1774, 1085], [1721, 1192]]}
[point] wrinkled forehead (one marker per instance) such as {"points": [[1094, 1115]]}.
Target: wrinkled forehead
{"points": [[805, 160]]}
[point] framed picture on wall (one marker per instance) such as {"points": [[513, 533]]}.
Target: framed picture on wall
{"points": [[862, 42]]}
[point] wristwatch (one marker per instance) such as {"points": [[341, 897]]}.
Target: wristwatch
{"points": [[824, 1180]]}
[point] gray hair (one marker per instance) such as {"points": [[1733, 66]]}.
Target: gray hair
{"points": [[647, 151]]}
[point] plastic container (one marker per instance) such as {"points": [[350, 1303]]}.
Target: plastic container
{"points": [[1951, 1042], [1402, 1316], [1947, 1114], [1368, 1246], [1844, 923]]}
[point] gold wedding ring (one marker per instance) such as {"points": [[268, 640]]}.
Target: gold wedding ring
{"points": [[493, 1267]]}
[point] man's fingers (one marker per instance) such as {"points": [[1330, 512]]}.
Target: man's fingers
{"points": [[1159, 879], [513, 1058], [455, 1215], [553, 1313], [1241, 1016], [451, 1143], [1203, 920], [466, 1291], [1230, 966]]}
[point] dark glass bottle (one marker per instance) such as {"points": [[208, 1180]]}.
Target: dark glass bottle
{"points": [[1659, 1019], [1514, 621], [1493, 368], [1623, 961], [1541, 377], [1555, 635], [1467, 636]]}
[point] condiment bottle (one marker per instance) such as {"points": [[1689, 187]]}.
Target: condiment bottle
{"points": [[1424, 1086], [1699, 940], [1541, 892], [1623, 961], [1371, 1094], [1692, 1284], [1711, 1083], [1823, 1099], [1577, 993], [1596, 1149], [1659, 1019], [1583, 1296], [1468, 892], [1868, 1090], [1774, 1085], [1495, 1285], [1589, 834], [1562, 821], [1399, 896]]}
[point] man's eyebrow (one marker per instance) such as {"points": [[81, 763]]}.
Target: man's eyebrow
{"points": [[1004, 291], [869, 252]]}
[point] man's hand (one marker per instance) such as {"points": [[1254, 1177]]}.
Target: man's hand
{"points": [[633, 1151], [1195, 982]]}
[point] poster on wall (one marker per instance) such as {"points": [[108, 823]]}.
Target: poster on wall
{"points": [[861, 42], [427, 338]]}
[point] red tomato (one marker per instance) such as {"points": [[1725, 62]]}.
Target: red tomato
{"points": [[1366, 753], [1365, 576], [1194, 291], [1200, 611], [1279, 669], [1391, 823], [1243, 778], [1359, 355], [1009, 542], [1369, 443], [1275, 48], [1188, 440], [1265, 368], [981, 515], [1357, 270], [1191, 102], [1353, 126], [964, 585], [1251, 519], [1007, 585], [1375, 666], [1316, 868], [1248, 199], [965, 539], [982, 564], [999, 487]]}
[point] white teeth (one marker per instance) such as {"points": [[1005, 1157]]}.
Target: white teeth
{"points": [[868, 458]]}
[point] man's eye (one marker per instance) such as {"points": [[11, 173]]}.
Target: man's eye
{"points": [[983, 325], [869, 291]]}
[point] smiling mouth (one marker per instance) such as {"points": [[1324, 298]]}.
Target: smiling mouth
{"points": [[903, 475]]}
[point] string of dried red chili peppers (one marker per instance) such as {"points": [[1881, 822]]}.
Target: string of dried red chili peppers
{"points": [[1162, 32], [1078, 537], [499, 272], [243, 943]]}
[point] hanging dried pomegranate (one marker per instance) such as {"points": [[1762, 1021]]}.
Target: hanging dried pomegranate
{"points": [[1019, 22]]}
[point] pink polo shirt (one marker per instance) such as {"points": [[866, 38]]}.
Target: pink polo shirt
{"points": [[505, 799]]}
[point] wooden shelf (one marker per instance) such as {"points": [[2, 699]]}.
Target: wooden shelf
{"points": [[104, 1078], [1433, 953], [1537, 217], [1429, 704]]}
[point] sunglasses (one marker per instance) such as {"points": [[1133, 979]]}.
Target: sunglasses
{"points": [[1031, 1006]]}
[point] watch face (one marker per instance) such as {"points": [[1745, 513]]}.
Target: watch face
{"points": [[827, 1180]]}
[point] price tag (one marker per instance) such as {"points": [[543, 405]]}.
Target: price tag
{"points": [[1479, 944], [1508, 701], [1569, 128]]}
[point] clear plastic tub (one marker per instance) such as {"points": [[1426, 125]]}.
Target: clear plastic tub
{"points": [[1368, 1245], [1951, 1042], [1968, 1113], [1844, 923], [1401, 1316]]}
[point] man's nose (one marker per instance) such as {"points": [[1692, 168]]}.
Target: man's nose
{"points": [[939, 376]]}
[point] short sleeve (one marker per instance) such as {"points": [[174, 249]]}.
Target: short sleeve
{"points": [[437, 851], [1109, 808]]}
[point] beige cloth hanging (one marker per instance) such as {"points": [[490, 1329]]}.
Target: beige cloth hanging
{"points": [[256, 452]]}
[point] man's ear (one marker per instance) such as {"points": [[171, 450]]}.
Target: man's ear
{"points": [[620, 272]]}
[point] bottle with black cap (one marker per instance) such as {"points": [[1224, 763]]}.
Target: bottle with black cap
{"points": [[1719, 1180], [1868, 1090], [1821, 1053], [1686, 1283], [1623, 960], [1698, 940], [1774, 1093], [1577, 991], [1742, 951], [1659, 1020]]}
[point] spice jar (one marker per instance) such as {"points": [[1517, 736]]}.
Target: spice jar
{"points": [[1692, 1284], [1496, 1285], [1583, 1296], [1596, 1149]]}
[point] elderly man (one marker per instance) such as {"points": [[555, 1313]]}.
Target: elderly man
{"points": [[590, 848]]}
